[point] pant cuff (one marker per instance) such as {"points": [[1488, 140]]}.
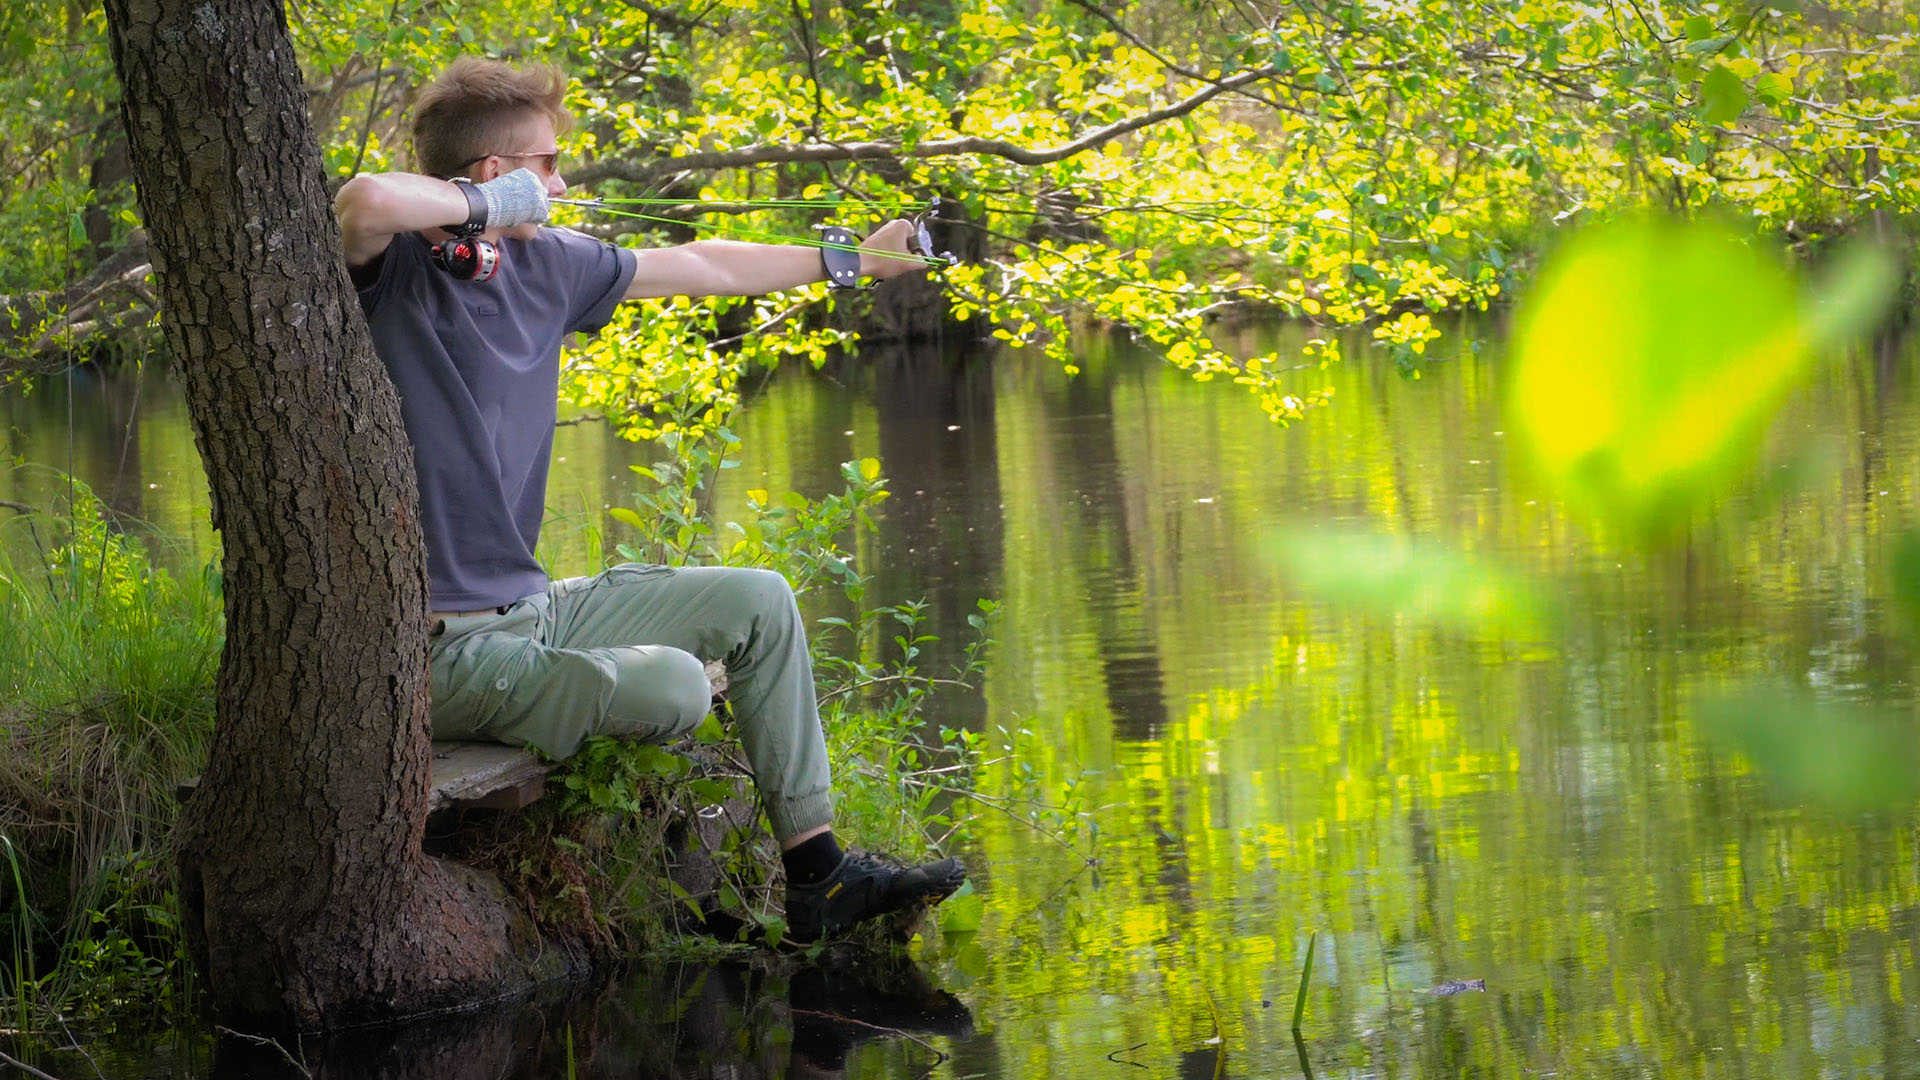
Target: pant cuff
{"points": [[790, 816]]}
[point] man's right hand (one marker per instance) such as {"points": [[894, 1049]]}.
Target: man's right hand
{"points": [[515, 198]]}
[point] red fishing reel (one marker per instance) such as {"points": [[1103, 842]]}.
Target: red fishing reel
{"points": [[467, 257]]}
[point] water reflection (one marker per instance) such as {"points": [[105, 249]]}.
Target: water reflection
{"points": [[1252, 765]]}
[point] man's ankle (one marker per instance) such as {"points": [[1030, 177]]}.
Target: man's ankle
{"points": [[812, 860]]}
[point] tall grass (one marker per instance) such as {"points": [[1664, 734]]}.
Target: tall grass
{"points": [[107, 664]]}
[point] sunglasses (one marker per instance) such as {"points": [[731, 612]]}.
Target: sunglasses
{"points": [[549, 159]]}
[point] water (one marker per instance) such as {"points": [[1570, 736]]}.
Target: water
{"points": [[1249, 764]]}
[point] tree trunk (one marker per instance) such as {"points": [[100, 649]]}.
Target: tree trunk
{"points": [[301, 866]]}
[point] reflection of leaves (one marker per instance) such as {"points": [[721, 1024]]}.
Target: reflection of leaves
{"points": [[1425, 582], [1844, 756], [1650, 359]]}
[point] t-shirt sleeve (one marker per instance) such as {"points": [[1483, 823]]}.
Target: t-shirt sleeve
{"points": [[402, 257], [601, 274]]}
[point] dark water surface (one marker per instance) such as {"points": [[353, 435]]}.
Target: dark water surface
{"points": [[1252, 764]]}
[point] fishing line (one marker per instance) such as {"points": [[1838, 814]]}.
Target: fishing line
{"points": [[750, 204], [602, 206]]}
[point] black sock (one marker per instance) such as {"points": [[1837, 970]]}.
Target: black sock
{"points": [[810, 861]]}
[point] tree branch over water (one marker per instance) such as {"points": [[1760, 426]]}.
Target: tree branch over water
{"points": [[820, 152]]}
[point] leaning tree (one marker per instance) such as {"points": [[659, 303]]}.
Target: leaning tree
{"points": [[311, 903]]}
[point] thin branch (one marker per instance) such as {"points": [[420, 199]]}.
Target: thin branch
{"points": [[30, 1070], [262, 1040], [838, 1018], [818, 152]]}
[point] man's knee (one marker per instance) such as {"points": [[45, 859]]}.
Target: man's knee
{"points": [[658, 692], [756, 588]]}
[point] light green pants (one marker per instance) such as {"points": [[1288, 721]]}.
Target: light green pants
{"points": [[622, 654]]}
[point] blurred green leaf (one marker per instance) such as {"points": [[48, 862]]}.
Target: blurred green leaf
{"points": [[1851, 296], [1845, 757], [1423, 582], [1648, 362]]}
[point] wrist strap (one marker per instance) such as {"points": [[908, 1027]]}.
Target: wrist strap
{"points": [[476, 207], [841, 264]]}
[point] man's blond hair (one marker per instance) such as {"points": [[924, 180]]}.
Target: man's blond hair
{"points": [[476, 105]]}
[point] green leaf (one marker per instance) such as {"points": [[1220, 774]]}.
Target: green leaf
{"points": [[1427, 583], [1709, 46], [1699, 27], [1773, 88], [962, 912], [626, 516], [869, 469], [1852, 296], [1648, 361], [1722, 95], [1846, 757]]}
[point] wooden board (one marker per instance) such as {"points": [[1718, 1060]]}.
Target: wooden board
{"points": [[485, 776], [488, 776]]}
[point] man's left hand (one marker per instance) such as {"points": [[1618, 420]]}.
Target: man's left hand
{"points": [[893, 237]]}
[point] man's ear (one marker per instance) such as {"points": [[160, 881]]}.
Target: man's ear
{"points": [[489, 169]]}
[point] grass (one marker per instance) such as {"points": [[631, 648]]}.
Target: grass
{"points": [[107, 662]]}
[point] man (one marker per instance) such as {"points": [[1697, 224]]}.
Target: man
{"points": [[471, 333]]}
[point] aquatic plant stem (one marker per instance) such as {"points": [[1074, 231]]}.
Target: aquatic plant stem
{"points": [[1300, 996]]}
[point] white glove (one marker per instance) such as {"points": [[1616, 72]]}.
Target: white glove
{"points": [[517, 198]]}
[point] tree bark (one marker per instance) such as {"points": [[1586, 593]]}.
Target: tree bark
{"points": [[301, 865]]}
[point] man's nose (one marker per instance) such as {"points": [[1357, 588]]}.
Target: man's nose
{"points": [[556, 185]]}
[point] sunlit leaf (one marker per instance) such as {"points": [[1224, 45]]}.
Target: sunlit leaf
{"points": [[1773, 87], [1647, 364], [626, 517], [1846, 757], [1423, 582]]}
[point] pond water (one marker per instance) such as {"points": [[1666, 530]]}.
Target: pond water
{"points": [[1255, 764]]}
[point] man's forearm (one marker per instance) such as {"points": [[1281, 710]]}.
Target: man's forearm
{"points": [[734, 268]]}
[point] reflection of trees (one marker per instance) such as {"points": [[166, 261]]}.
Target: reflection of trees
{"points": [[940, 533], [763, 1019], [1101, 524]]}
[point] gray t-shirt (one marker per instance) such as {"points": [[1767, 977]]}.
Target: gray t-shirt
{"points": [[477, 365]]}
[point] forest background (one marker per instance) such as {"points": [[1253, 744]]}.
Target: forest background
{"points": [[1156, 166]]}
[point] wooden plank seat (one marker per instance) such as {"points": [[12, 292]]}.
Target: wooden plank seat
{"points": [[489, 776]]}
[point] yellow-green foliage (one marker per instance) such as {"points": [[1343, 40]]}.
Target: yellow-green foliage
{"points": [[1343, 162]]}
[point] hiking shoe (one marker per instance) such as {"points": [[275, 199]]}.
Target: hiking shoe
{"points": [[863, 886]]}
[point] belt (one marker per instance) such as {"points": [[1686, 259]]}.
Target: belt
{"points": [[439, 618]]}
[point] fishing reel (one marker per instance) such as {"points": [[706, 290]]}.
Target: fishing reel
{"points": [[466, 256]]}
